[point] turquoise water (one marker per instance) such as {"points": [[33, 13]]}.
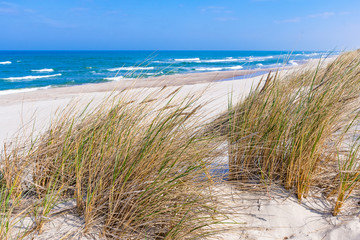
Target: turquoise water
{"points": [[28, 70]]}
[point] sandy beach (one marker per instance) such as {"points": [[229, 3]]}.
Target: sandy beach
{"points": [[31, 110], [271, 213], [25, 112]]}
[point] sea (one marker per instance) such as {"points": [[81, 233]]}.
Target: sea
{"points": [[22, 71]]}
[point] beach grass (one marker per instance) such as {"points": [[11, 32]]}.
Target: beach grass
{"points": [[139, 166], [291, 129], [135, 170]]}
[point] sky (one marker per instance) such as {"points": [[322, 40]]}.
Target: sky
{"points": [[179, 25]]}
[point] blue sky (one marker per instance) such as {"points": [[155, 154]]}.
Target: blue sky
{"points": [[179, 25]]}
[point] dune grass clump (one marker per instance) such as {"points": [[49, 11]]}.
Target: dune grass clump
{"points": [[289, 129], [136, 169]]}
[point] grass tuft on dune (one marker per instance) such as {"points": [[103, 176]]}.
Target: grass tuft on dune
{"points": [[136, 169], [293, 129]]}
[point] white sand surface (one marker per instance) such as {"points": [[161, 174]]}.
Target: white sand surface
{"points": [[274, 213], [24, 113]]}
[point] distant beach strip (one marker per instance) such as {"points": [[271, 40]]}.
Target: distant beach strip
{"points": [[24, 70]]}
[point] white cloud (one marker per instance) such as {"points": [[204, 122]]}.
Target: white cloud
{"points": [[8, 8], [53, 22], [290, 20], [323, 15], [5, 10], [221, 13], [215, 9], [32, 15], [8, 4]]}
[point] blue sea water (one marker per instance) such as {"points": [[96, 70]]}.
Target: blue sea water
{"points": [[28, 70]]}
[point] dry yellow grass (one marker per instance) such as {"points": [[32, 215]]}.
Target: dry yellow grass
{"points": [[290, 129], [136, 169]]}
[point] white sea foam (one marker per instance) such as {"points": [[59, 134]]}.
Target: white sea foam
{"points": [[187, 59], [292, 62], [30, 77], [209, 69], [118, 78], [218, 68], [259, 59], [275, 65], [197, 60], [234, 67], [217, 60], [308, 54], [259, 65], [130, 69], [11, 91], [230, 59], [6, 62], [44, 70]]}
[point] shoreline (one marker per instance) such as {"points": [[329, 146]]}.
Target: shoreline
{"points": [[161, 81], [9, 95], [31, 112]]}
